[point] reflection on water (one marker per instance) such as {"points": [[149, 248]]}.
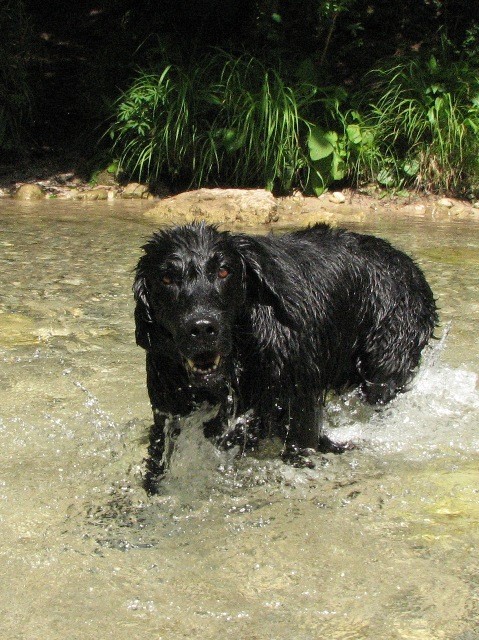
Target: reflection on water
{"points": [[378, 543]]}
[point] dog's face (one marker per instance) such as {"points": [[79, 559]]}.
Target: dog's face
{"points": [[189, 290], [194, 283]]}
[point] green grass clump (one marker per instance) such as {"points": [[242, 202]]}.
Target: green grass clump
{"points": [[223, 121], [423, 113], [235, 121]]}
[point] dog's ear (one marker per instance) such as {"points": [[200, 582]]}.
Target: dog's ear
{"points": [[143, 312], [267, 279]]}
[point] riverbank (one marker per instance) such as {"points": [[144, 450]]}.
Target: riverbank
{"points": [[231, 207]]}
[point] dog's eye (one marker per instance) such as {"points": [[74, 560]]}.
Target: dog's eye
{"points": [[223, 272], [166, 279]]}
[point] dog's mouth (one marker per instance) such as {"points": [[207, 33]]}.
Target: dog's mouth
{"points": [[204, 365]]}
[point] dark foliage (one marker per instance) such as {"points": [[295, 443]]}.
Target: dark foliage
{"points": [[16, 95], [82, 55]]}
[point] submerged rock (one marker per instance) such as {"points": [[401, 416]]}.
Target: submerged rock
{"points": [[16, 329]]}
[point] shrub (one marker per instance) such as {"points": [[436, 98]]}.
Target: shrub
{"points": [[423, 113], [224, 120]]}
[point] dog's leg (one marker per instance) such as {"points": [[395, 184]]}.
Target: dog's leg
{"points": [[163, 435], [305, 425], [303, 432], [306, 437]]}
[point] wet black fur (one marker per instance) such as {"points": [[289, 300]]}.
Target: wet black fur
{"points": [[297, 315]]}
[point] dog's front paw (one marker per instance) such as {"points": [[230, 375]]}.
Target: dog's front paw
{"points": [[326, 445], [300, 458]]}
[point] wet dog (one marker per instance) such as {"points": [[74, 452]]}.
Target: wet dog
{"points": [[268, 325]]}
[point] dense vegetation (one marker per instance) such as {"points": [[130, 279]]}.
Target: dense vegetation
{"points": [[227, 120], [16, 46], [269, 93]]}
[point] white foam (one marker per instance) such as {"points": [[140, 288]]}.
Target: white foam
{"points": [[438, 413]]}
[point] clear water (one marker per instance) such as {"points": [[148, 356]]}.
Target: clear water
{"points": [[380, 543]]}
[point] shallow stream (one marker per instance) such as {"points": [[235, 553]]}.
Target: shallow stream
{"points": [[379, 543]]}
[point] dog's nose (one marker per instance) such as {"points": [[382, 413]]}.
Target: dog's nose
{"points": [[203, 328]]}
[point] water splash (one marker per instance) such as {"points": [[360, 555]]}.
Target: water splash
{"points": [[438, 414], [195, 461]]}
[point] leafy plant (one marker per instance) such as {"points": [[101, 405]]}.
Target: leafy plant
{"points": [[256, 129], [424, 112], [327, 155], [224, 120], [154, 131]]}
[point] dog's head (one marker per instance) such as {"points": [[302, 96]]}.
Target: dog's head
{"points": [[192, 285]]}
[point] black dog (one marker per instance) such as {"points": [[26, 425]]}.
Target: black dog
{"points": [[276, 323]]}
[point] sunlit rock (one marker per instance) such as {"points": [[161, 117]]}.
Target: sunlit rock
{"points": [[249, 207], [29, 192], [337, 197], [98, 193], [445, 202], [134, 190]]}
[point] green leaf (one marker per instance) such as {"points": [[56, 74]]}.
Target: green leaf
{"points": [[113, 167], [316, 183], [368, 138], [321, 143], [432, 64], [353, 131], [411, 168], [386, 178], [231, 140], [338, 167]]}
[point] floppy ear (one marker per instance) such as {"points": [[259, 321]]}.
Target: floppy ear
{"points": [[269, 280], [143, 315]]}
